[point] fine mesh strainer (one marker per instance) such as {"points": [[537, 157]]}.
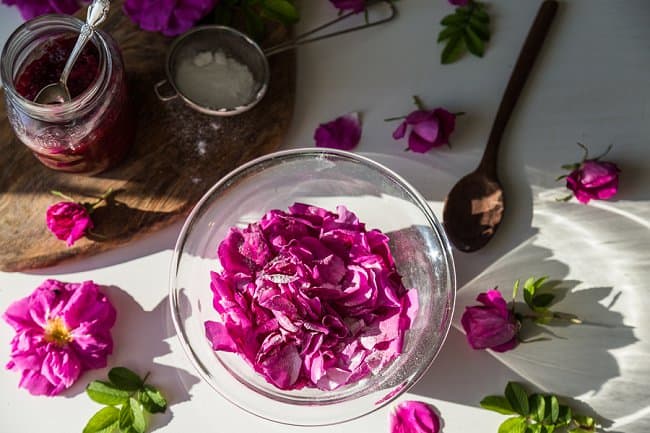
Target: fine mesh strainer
{"points": [[245, 51]]}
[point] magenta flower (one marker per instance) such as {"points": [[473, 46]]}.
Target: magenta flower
{"points": [[592, 179], [170, 17], [429, 129], [492, 325], [343, 133], [32, 8], [459, 2], [355, 6], [310, 298], [62, 330], [68, 221], [414, 417]]}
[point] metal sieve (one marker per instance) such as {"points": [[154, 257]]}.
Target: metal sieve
{"points": [[245, 51]]}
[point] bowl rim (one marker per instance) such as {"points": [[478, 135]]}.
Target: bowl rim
{"points": [[321, 153]]}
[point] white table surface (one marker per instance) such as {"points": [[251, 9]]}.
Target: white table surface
{"points": [[590, 84]]}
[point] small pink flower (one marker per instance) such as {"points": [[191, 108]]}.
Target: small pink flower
{"points": [[343, 133], [32, 8], [597, 180], [429, 129], [170, 17], [459, 2], [355, 6], [62, 330], [414, 417], [492, 325], [68, 221]]}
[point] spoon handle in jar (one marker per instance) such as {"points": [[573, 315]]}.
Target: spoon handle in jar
{"points": [[531, 48]]}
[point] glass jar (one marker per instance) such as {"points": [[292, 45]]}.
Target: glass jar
{"points": [[94, 130]]}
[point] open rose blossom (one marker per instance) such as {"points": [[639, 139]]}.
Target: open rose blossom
{"points": [[414, 417], [428, 129], [310, 298], [491, 325], [62, 330], [343, 133], [33, 8], [170, 17], [68, 221], [355, 6]]}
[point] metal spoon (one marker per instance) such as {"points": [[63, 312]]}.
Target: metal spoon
{"points": [[58, 93], [474, 207]]}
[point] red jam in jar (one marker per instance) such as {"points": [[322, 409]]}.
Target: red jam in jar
{"points": [[94, 130]]}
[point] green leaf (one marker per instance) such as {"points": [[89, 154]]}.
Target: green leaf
{"points": [[552, 409], [254, 24], [518, 398], [132, 417], [537, 407], [497, 403], [565, 415], [106, 393], [548, 428], [534, 428], [529, 291], [104, 421], [584, 421], [453, 50], [480, 28], [580, 430], [152, 400], [449, 32], [454, 20], [513, 425], [280, 10], [515, 289], [543, 300], [125, 379], [474, 44], [480, 14]]}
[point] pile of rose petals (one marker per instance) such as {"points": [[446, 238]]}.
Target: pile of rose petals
{"points": [[310, 298]]}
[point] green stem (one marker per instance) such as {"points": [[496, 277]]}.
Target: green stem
{"points": [[418, 103], [100, 199], [60, 194], [390, 119], [604, 153], [146, 376], [586, 155]]}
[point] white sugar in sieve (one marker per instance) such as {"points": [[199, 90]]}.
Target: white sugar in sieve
{"points": [[244, 51]]}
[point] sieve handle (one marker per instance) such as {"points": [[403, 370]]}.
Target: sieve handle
{"points": [[305, 39], [157, 88]]}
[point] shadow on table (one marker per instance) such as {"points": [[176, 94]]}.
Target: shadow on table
{"points": [[139, 339]]}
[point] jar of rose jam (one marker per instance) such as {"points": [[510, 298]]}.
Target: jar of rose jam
{"points": [[94, 130]]}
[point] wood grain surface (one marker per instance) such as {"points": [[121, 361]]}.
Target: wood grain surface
{"points": [[178, 154]]}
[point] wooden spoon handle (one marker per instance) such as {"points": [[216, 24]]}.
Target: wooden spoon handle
{"points": [[527, 56]]}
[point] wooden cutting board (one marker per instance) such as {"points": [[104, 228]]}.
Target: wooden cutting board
{"points": [[178, 154]]}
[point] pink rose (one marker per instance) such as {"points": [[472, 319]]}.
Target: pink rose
{"points": [[355, 6], [491, 325], [62, 330], [32, 8], [68, 221], [429, 129], [593, 179], [414, 417]]}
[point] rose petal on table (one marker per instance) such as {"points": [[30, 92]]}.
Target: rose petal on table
{"points": [[343, 133], [414, 417]]}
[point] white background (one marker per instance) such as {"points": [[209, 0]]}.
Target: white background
{"points": [[590, 84]]}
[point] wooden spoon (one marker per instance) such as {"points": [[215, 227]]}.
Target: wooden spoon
{"points": [[474, 207]]}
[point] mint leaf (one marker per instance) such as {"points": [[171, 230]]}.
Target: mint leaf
{"points": [[465, 29], [497, 403], [104, 421], [518, 398], [537, 407], [106, 393], [152, 400], [132, 417], [513, 425], [125, 379]]}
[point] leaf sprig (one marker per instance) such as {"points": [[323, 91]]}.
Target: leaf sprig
{"points": [[467, 29], [539, 300], [536, 413], [127, 397]]}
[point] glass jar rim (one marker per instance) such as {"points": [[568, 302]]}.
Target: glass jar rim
{"points": [[31, 31]]}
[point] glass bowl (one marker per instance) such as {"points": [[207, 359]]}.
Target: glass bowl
{"points": [[325, 178]]}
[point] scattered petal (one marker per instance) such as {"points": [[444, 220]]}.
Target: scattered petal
{"points": [[343, 133], [414, 417]]}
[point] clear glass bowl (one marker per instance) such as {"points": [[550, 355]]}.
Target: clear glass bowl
{"points": [[325, 178]]}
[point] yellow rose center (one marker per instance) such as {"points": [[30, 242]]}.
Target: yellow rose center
{"points": [[56, 332]]}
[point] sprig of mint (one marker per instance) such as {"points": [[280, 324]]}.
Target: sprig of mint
{"points": [[536, 413], [127, 397], [467, 29], [252, 13]]}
